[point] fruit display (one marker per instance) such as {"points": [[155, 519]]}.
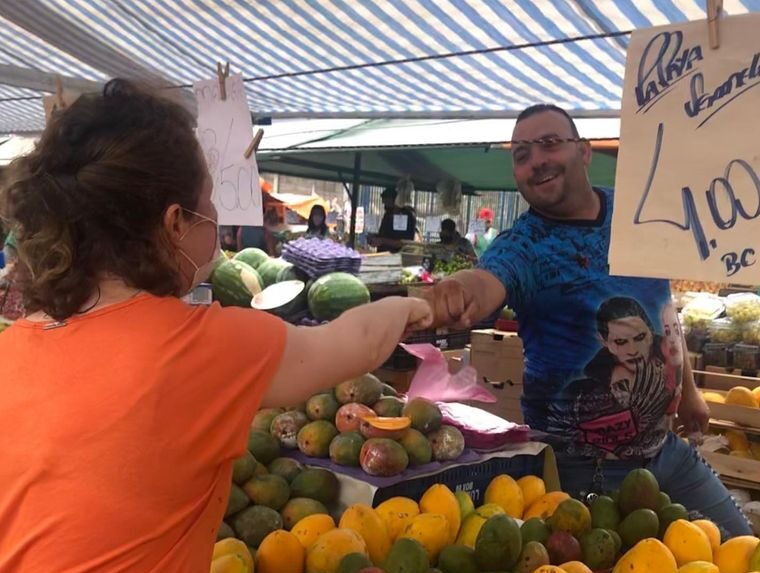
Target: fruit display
{"points": [[743, 307], [333, 294], [635, 529]]}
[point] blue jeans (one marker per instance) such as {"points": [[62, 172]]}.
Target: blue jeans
{"points": [[681, 472]]}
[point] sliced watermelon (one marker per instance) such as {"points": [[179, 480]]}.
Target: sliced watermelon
{"points": [[285, 299], [235, 283]]}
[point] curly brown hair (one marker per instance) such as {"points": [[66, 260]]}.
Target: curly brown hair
{"points": [[89, 201]]}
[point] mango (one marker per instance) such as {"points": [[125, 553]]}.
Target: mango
{"points": [[325, 555], [315, 437], [322, 407], [243, 468], [575, 567], [440, 499], [734, 555], [388, 406], [286, 468], [549, 569], [488, 510], [269, 490], [426, 416], [407, 556], [507, 494], [638, 525], [316, 483], [311, 527], [383, 457], [252, 525], [349, 417], [458, 559], [431, 530], [713, 397], [367, 523], [669, 514], [237, 501], [562, 547], [532, 556], [572, 516], [397, 513], [346, 448], [232, 546], [499, 543], [712, 531], [447, 443], [299, 508], [545, 505], [533, 487], [264, 446], [354, 563], [262, 421], [365, 389], [468, 533], [286, 426], [535, 529], [699, 567], [466, 505], [604, 513], [280, 552], [737, 440], [639, 490], [741, 396], [647, 556], [417, 447], [599, 549], [687, 542], [229, 564]]}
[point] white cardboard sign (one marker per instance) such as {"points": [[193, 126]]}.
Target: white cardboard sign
{"points": [[687, 194], [224, 132]]}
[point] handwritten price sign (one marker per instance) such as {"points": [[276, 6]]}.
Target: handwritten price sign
{"points": [[687, 197], [224, 132]]}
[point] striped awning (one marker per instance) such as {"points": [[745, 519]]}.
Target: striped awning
{"points": [[351, 58]]}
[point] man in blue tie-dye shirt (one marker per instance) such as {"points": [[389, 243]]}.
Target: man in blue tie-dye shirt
{"points": [[605, 369]]}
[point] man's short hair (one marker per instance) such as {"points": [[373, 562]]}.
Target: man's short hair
{"points": [[618, 308], [544, 107], [448, 225], [389, 192]]}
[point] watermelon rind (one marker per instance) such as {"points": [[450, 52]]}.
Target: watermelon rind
{"points": [[284, 299], [235, 283]]}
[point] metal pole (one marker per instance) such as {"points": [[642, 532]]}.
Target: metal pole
{"points": [[355, 197]]}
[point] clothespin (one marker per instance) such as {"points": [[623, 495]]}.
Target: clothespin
{"points": [[60, 103], [222, 73], [714, 8], [254, 145]]}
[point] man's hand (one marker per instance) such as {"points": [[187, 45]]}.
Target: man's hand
{"points": [[452, 304], [693, 413]]}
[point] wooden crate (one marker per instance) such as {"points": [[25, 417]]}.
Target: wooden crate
{"points": [[733, 470], [719, 378]]}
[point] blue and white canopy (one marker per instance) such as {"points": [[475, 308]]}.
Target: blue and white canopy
{"points": [[333, 58]]}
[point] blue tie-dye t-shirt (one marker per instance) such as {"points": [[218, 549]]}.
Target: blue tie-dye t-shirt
{"points": [[603, 354]]}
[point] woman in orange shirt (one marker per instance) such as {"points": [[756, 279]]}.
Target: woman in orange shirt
{"points": [[122, 408]]}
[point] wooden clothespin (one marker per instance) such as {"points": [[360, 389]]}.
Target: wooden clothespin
{"points": [[254, 145], [222, 73], [714, 8], [60, 103]]}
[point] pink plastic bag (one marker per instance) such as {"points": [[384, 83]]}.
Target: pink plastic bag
{"points": [[434, 382]]}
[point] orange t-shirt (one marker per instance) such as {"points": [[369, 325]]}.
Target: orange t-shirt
{"points": [[118, 431]]}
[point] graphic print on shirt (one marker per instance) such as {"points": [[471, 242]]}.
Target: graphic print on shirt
{"points": [[603, 355]]}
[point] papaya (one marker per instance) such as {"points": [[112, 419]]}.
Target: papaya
{"points": [[298, 508], [397, 513], [253, 524], [638, 525], [280, 552], [425, 415], [439, 499], [229, 564], [264, 446], [575, 567], [734, 555], [699, 567], [365, 389], [308, 529], [233, 546], [639, 490], [367, 523], [346, 448], [604, 513], [286, 468], [687, 542], [237, 501], [499, 543], [407, 556], [713, 534], [646, 556], [269, 490], [533, 487], [506, 493], [417, 447], [388, 406], [286, 426], [322, 407], [447, 443], [458, 559], [532, 556], [354, 563], [545, 505], [572, 516], [325, 554], [431, 530], [535, 529], [549, 569], [599, 549], [315, 437], [262, 421], [316, 483], [243, 468]]}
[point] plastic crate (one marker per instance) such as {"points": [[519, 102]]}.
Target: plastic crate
{"points": [[472, 478]]}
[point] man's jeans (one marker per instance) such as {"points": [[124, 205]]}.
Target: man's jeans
{"points": [[681, 472]]}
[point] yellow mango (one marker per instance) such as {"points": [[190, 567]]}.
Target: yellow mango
{"points": [[489, 510], [687, 542], [713, 397], [545, 506], [647, 556], [440, 499], [431, 530], [712, 531], [699, 567], [468, 533], [311, 527], [397, 513], [232, 546], [741, 396], [549, 569], [504, 491], [734, 555], [325, 555], [575, 567], [533, 487], [280, 552], [737, 440], [756, 393], [367, 523], [230, 563]]}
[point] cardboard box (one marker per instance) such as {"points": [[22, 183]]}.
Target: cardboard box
{"points": [[498, 358]]}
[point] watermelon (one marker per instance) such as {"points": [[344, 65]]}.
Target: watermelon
{"points": [[235, 283], [333, 294], [252, 256], [269, 270], [285, 299], [288, 273]]}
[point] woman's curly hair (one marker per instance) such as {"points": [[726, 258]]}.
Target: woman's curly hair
{"points": [[89, 201]]}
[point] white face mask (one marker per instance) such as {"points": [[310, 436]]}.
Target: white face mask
{"points": [[204, 269]]}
